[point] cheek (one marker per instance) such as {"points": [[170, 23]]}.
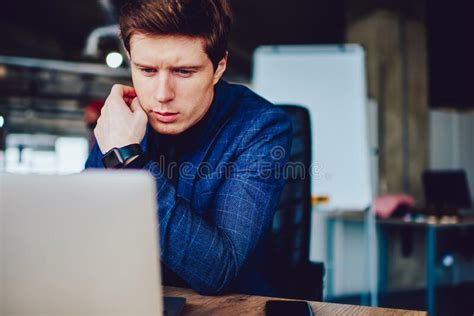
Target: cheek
{"points": [[197, 88], [143, 88], [195, 97]]}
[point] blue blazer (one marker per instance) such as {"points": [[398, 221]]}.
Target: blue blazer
{"points": [[213, 218]]}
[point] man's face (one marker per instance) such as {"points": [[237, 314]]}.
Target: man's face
{"points": [[174, 80]]}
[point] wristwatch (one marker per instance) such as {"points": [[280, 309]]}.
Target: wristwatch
{"points": [[117, 157]]}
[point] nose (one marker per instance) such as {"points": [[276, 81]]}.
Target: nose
{"points": [[164, 88]]}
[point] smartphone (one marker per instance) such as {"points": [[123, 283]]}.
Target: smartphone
{"points": [[294, 308]]}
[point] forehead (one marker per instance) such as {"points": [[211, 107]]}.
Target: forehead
{"points": [[170, 49]]}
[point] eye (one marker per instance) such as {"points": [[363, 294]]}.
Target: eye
{"points": [[185, 73], [148, 71]]}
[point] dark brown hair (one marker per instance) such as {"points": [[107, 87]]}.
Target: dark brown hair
{"points": [[208, 19]]}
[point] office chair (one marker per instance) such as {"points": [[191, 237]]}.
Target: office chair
{"points": [[291, 273]]}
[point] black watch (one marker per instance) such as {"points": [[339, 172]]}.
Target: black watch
{"points": [[117, 157]]}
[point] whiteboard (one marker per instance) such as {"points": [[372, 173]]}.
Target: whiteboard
{"points": [[329, 80]]}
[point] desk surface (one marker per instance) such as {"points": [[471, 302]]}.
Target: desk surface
{"points": [[255, 305]]}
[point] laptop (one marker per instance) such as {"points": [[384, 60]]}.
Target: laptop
{"points": [[446, 191], [83, 244]]}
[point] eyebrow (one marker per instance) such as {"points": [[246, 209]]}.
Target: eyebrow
{"points": [[193, 67]]}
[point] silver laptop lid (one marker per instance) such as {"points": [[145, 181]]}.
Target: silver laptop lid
{"points": [[83, 244]]}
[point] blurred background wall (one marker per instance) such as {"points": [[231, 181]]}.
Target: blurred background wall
{"points": [[419, 58]]}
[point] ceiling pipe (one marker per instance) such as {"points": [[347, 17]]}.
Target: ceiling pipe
{"points": [[111, 30], [109, 11], [92, 42]]}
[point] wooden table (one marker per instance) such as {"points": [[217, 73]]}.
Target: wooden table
{"points": [[255, 305]]}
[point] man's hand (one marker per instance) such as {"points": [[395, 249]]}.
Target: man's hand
{"points": [[122, 121]]}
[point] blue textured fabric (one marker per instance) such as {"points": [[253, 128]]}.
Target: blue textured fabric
{"points": [[214, 217]]}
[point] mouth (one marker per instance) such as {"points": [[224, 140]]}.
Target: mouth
{"points": [[165, 117]]}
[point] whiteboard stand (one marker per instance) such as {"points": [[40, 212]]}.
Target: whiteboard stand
{"points": [[372, 266]]}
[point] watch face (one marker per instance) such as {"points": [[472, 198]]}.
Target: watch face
{"points": [[112, 159]]}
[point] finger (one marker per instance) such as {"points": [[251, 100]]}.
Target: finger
{"points": [[136, 106], [128, 100], [123, 91], [116, 101]]}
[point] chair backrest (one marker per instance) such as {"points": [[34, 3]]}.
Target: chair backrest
{"points": [[291, 224], [287, 249]]}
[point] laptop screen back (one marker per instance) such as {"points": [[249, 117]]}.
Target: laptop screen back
{"points": [[446, 190], [84, 244]]}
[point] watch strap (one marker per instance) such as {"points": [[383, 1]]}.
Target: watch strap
{"points": [[139, 162], [117, 157]]}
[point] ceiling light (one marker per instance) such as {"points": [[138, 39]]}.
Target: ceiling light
{"points": [[114, 60]]}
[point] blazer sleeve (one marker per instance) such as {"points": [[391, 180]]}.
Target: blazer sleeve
{"points": [[95, 159]]}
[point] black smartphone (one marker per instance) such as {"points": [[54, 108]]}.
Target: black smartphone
{"points": [[293, 308]]}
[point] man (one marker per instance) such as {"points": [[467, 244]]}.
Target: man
{"points": [[217, 150]]}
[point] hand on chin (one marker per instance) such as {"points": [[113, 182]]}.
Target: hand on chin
{"points": [[122, 121]]}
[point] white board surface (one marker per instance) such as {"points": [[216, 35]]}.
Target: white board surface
{"points": [[330, 81]]}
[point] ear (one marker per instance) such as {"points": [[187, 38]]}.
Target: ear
{"points": [[221, 66]]}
